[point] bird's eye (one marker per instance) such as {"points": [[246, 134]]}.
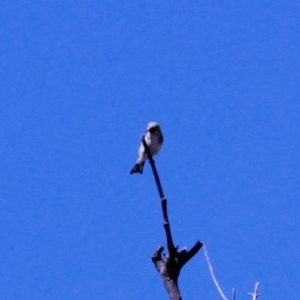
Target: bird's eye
{"points": [[153, 130]]}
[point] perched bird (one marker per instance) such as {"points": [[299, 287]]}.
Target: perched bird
{"points": [[154, 140]]}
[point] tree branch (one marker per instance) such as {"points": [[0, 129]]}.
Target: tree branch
{"points": [[152, 163], [169, 268], [213, 275], [255, 295]]}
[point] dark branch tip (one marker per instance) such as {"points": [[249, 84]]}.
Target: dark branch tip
{"points": [[160, 248]]}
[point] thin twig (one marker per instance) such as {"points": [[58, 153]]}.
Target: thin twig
{"points": [[152, 163], [212, 273], [255, 295], [166, 223], [169, 268], [233, 294]]}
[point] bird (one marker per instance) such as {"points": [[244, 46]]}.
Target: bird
{"points": [[154, 140]]}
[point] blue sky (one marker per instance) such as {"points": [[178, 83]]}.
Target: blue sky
{"points": [[80, 80]]}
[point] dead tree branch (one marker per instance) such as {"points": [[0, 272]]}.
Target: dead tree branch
{"points": [[213, 275], [255, 295], [169, 268]]}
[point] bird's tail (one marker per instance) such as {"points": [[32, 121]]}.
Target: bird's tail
{"points": [[138, 168]]}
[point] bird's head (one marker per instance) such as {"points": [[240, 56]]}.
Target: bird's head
{"points": [[153, 127]]}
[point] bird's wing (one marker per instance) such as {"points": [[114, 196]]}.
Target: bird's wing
{"points": [[160, 139], [142, 156]]}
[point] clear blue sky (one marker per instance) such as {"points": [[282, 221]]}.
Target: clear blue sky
{"points": [[80, 80]]}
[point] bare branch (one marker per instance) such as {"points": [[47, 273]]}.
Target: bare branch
{"points": [[255, 295], [169, 268], [212, 273], [152, 163]]}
